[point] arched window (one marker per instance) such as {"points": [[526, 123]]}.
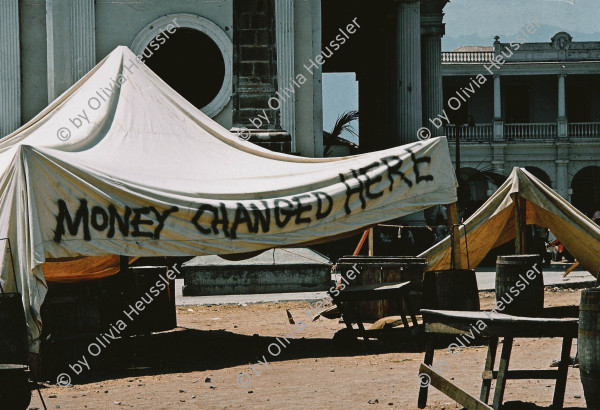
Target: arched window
{"points": [[586, 190]]}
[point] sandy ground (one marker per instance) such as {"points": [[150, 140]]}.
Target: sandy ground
{"points": [[199, 366]]}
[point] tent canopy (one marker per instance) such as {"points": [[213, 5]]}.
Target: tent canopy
{"points": [[494, 224], [121, 164]]}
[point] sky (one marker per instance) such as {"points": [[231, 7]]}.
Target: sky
{"points": [[476, 22]]}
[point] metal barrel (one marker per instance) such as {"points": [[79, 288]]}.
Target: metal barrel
{"points": [[520, 285], [452, 289], [15, 393], [14, 388], [588, 346], [13, 330]]}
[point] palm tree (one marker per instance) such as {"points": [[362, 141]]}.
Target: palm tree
{"points": [[341, 124]]}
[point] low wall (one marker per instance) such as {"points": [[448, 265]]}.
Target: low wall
{"points": [[247, 279]]}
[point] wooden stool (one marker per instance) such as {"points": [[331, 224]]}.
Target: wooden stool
{"points": [[348, 303], [446, 322]]}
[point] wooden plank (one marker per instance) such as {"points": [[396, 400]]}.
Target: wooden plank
{"points": [[452, 215], [502, 368], [491, 316], [571, 268], [424, 383], [496, 329], [497, 324], [486, 384], [449, 389], [522, 374], [561, 379], [373, 292], [371, 243]]}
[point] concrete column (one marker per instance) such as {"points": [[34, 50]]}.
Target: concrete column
{"points": [[309, 110], [284, 40], [498, 123], [562, 122], [561, 96], [562, 178], [370, 123], [83, 26], [70, 43], [408, 34], [432, 30], [377, 97], [498, 157], [497, 99], [10, 68]]}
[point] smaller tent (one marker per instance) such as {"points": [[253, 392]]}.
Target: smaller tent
{"points": [[494, 224]]}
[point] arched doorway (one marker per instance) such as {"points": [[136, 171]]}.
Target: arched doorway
{"points": [[196, 59], [540, 174], [586, 190], [473, 190]]}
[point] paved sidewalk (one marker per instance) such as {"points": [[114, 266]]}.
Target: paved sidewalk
{"points": [[485, 281]]}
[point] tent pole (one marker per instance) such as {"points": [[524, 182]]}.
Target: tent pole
{"points": [[523, 212], [452, 215], [363, 238], [371, 244], [123, 265], [518, 226], [124, 274]]}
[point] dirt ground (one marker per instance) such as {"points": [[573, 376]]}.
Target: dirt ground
{"points": [[199, 366]]}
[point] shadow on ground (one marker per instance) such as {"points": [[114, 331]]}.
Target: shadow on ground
{"points": [[519, 405], [187, 350]]}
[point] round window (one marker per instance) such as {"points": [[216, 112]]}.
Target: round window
{"points": [[195, 60], [191, 63]]}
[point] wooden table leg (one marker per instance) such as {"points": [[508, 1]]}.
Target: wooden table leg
{"points": [[406, 325], [486, 385], [561, 378], [347, 318], [403, 316], [424, 382], [503, 367], [359, 323], [411, 311]]}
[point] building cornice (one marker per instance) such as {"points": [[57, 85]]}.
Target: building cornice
{"points": [[522, 68]]}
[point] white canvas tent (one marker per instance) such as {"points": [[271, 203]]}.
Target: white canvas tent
{"points": [[494, 224], [121, 164]]}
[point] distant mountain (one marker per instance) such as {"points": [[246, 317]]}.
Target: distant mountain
{"points": [[541, 35]]}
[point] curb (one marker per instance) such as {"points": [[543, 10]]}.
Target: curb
{"points": [[561, 285]]}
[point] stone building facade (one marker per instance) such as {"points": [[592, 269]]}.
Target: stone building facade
{"points": [[231, 57], [539, 109]]}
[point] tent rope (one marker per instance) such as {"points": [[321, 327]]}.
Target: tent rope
{"points": [[452, 261]]}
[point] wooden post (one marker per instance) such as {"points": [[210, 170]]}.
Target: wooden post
{"points": [[518, 225], [452, 215], [523, 212], [371, 244], [127, 280], [363, 238], [123, 264]]}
